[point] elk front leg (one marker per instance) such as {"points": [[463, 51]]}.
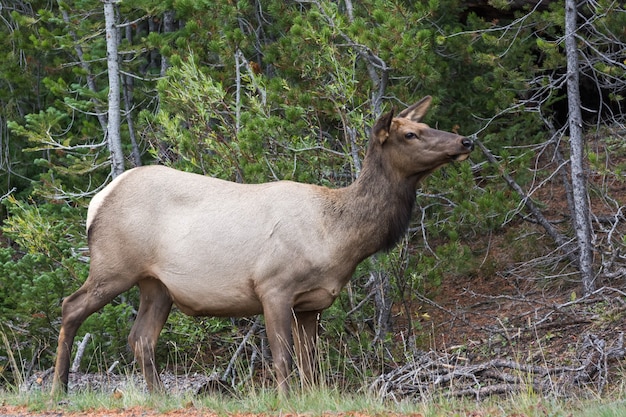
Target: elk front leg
{"points": [[278, 329], [305, 331]]}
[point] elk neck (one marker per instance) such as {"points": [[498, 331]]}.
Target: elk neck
{"points": [[374, 212]]}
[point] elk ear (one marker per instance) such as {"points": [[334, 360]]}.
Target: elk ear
{"points": [[417, 111], [383, 126]]}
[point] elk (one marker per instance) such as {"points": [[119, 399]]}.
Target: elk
{"points": [[282, 249]]}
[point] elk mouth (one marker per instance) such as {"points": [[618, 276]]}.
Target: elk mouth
{"points": [[460, 157]]}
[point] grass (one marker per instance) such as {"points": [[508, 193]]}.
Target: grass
{"points": [[334, 399], [317, 402]]}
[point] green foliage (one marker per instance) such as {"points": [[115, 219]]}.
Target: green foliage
{"points": [[35, 277], [206, 130], [46, 263]]}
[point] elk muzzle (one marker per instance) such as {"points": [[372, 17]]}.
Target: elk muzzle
{"points": [[468, 146]]}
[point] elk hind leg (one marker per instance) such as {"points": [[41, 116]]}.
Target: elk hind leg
{"points": [[155, 304], [94, 294]]}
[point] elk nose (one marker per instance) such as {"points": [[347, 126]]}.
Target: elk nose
{"points": [[468, 143]]}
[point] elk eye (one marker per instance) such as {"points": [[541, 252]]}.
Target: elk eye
{"points": [[410, 135]]}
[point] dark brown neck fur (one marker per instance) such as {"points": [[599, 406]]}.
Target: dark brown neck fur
{"points": [[376, 209]]}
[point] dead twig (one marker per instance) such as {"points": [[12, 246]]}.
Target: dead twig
{"points": [[433, 374], [80, 352]]}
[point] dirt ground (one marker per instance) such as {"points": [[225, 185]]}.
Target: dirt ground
{"points": [[140, 412], [11, 411], [136, 412]]}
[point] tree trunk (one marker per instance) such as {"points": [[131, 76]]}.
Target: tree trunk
{"points": [[113, 126], [383, 302], [127, 92], [168, 27], [91, 79], [582, 218]]}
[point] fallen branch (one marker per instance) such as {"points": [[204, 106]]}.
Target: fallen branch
{"points": [[229, 369], [434, 374], [8, 193], [80, 352]]}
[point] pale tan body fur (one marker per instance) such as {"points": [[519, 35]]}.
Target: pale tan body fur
{"points": [[218, 248]]}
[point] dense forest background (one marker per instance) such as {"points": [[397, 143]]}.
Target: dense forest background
{"points": [[255, 91]]}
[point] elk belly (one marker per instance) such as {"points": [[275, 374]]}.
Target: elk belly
{"points": [[201, 295]]}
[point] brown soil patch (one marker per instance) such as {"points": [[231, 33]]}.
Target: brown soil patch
{"points": [[186, 412]]}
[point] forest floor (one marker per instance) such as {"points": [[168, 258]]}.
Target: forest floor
{"points": [[480, 329]]}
